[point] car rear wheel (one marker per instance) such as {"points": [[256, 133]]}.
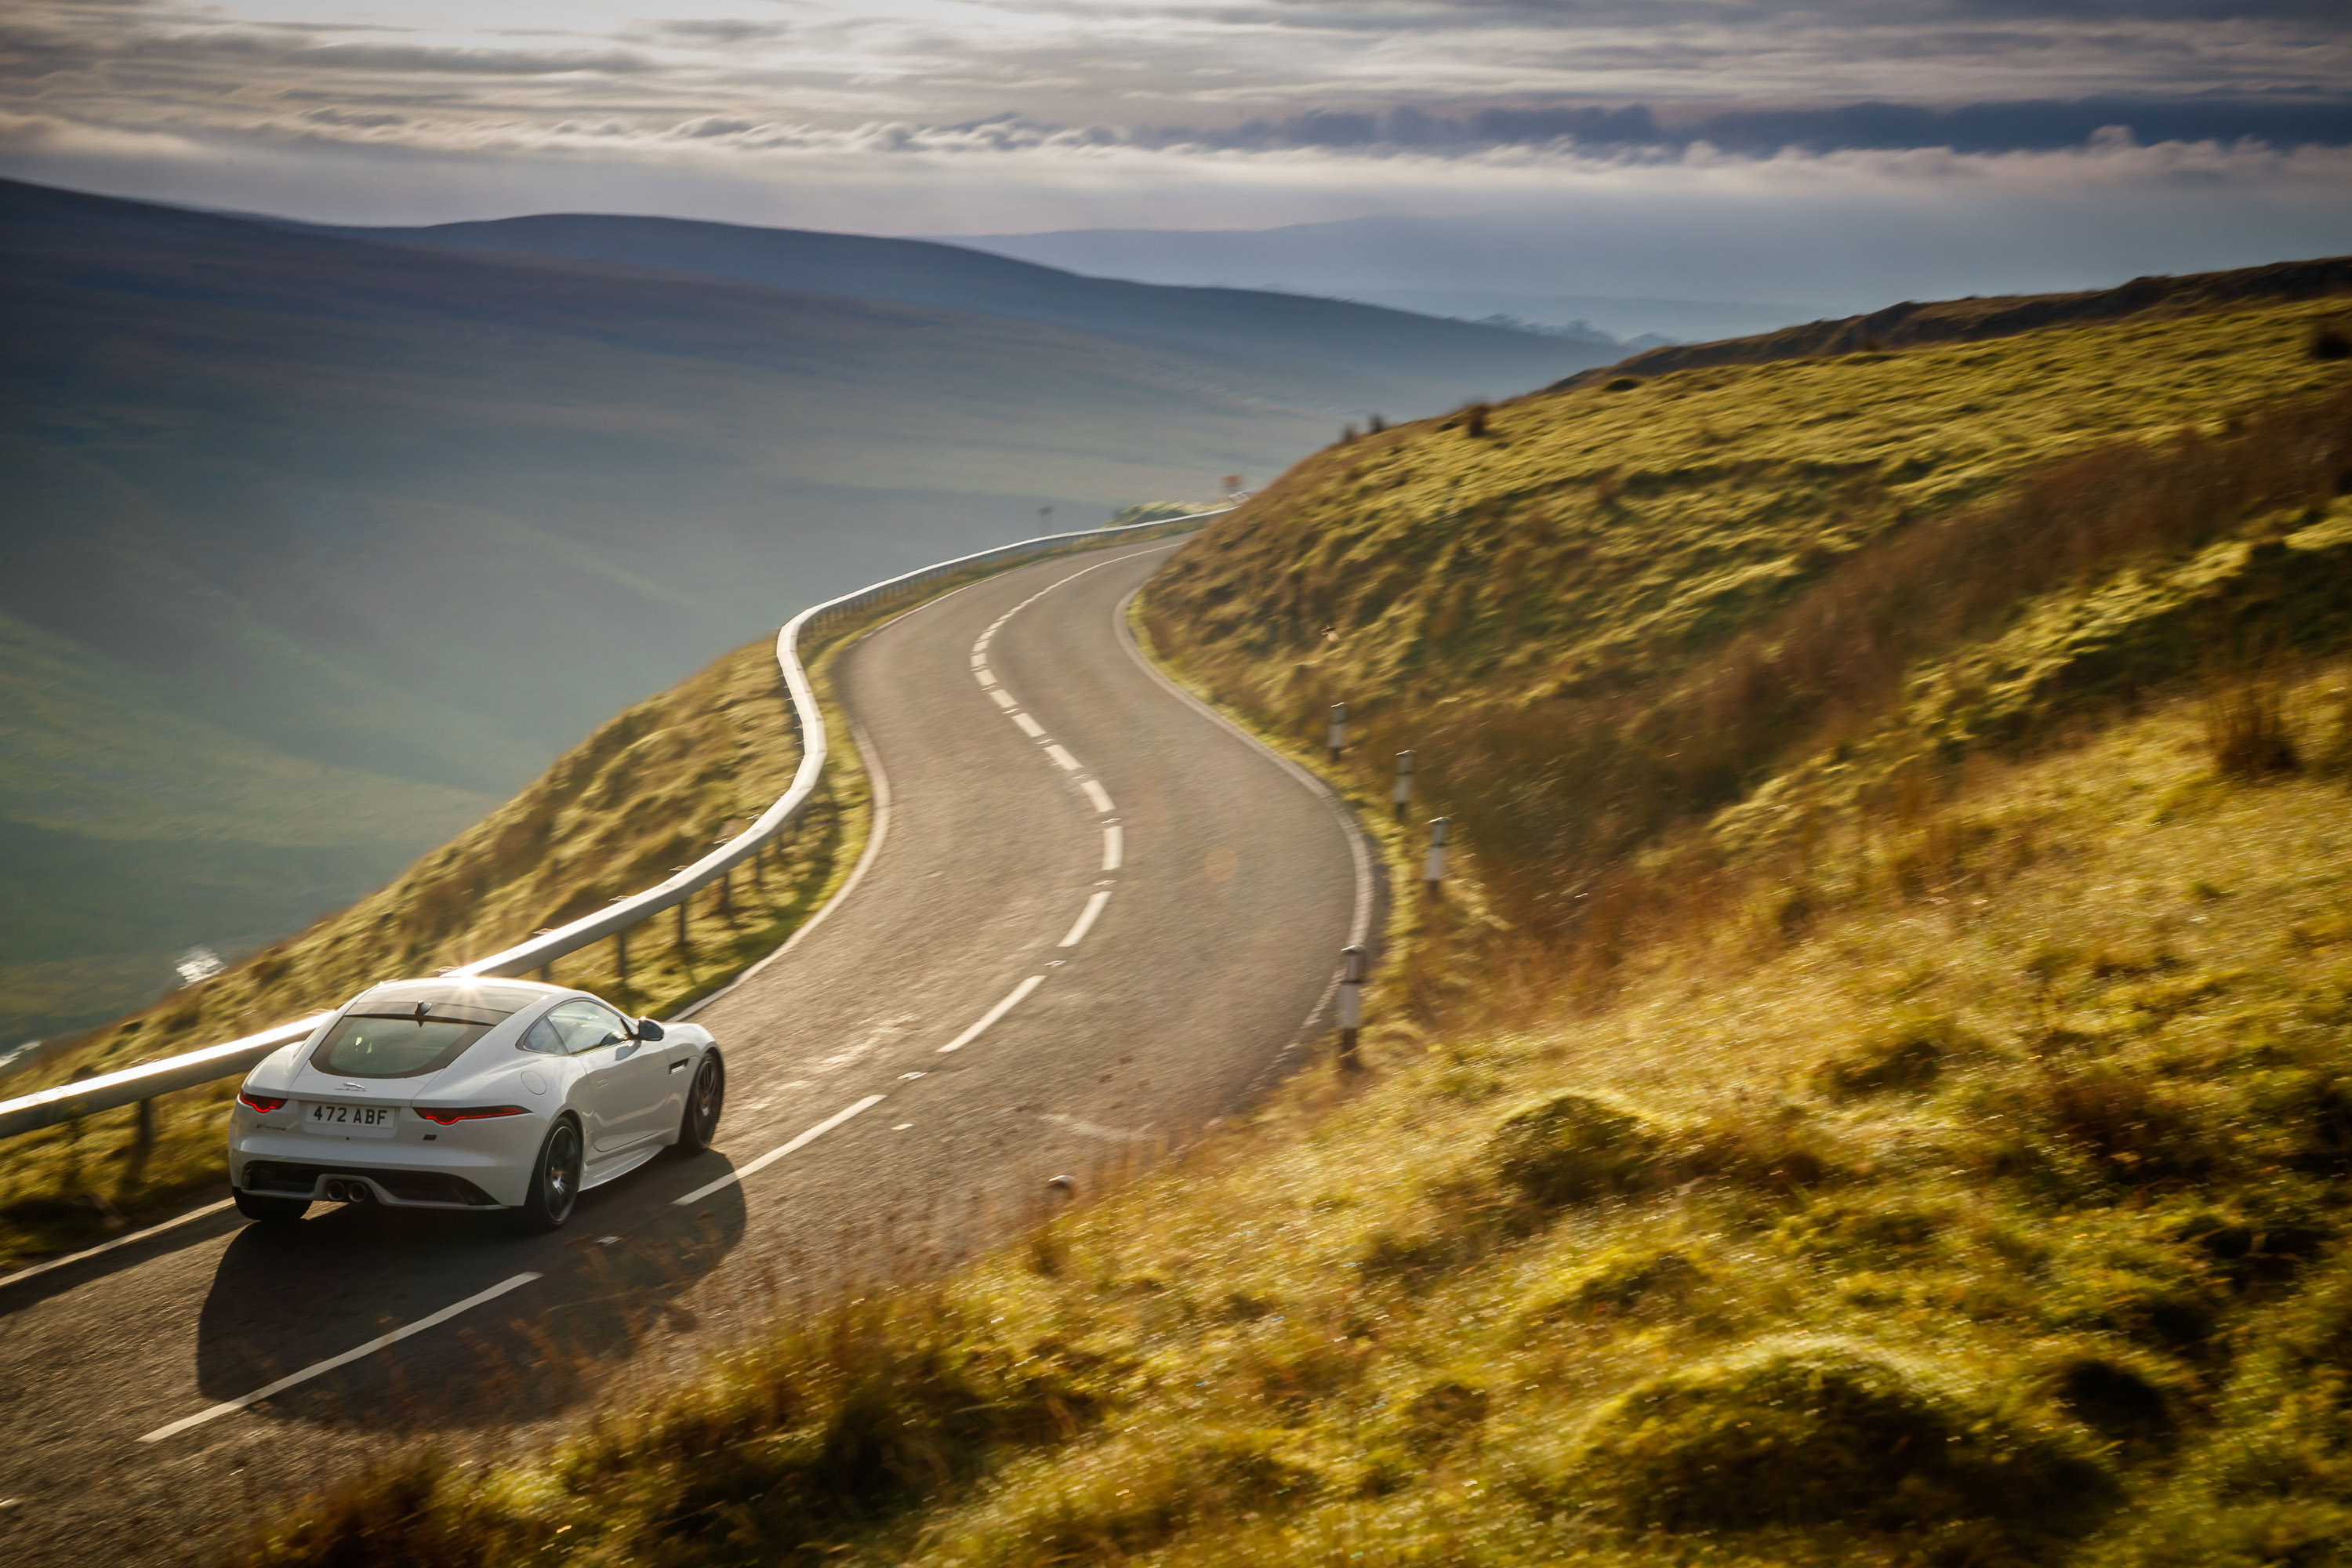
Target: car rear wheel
{"points": [[555, 1179], [271, 1211], [703, 1102]]}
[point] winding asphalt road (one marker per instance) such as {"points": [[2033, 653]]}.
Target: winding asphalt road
{"points": [[1092, 919]]}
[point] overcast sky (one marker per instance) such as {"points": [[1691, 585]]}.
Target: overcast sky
{"points": [[2227, 124]]}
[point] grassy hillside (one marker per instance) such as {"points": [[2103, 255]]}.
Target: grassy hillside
{"points": [[1754, 589], [650, 791], [1873, 1092], [1913, 325]]}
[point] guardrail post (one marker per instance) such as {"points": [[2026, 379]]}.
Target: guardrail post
{"points": [[145, 1137], [1355, 968], [1403, 796], [683, 946], [621, 955], [1338, 730], [1432, 876]]}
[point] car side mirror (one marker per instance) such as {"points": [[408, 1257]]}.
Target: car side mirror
{"points": [[648, 1031]]}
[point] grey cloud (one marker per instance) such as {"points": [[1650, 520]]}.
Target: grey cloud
{"points": [[330, 115], [717, 30], [399, 58], [2024, 126], [710, 125], [1737, 14]]}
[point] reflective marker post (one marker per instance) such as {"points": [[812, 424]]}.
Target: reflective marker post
{"points": [[1432, 876], [1355, 968], [1339, 729], [1403, 797]]}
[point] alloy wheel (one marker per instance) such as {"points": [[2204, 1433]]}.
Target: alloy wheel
{"points": [[563, 1172]]}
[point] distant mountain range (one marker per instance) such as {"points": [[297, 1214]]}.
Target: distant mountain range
{"points": [[1378, 358], [315, 544], [1474, 270]]}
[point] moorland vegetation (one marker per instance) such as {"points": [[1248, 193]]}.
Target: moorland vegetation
{"points": [[1876, 1089]]}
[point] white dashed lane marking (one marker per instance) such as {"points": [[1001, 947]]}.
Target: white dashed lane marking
{"points": [[1086, 918], [993, 1014], [431, 1319], [772, 1155]]}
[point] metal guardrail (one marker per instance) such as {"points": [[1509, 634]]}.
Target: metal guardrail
{"points": [[63, 1102]]}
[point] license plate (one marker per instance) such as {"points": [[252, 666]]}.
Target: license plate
{"points": [[350, 1121]]}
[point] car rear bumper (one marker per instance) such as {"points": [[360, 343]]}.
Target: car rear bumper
{"points": [[274, 1163], [398, 1188]]}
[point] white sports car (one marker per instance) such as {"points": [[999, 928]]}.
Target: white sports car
{"points": [[476, 1094]]}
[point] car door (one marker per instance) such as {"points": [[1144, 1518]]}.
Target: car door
{"points": [[627, 1081]]}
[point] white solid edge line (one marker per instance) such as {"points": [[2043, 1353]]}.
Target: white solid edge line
{"points": [[1359, 927], [9, 1280], [1097, 794], [772, 1155], [1029, 727], [1061, 757], [1002, 698], [879, 831], [1114, 845], [982, 673], [331, 1362], [1086, 921], [993, 1014]]}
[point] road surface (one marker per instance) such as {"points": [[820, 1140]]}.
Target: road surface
{"points": [[1092, 919]]}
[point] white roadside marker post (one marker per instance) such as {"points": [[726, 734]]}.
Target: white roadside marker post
{"points": [[1432, 876], [1355, 968], [1403, 796], [1339, 729]]}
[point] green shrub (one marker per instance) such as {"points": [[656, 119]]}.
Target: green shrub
{"points": [[1909, 1053], [1882, 1232], [2121, 1394], [1573, 1147], [1622, 1282], [1818, 1433]]}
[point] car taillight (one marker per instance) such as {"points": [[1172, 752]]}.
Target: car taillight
{"points": [[468, 1113], [264, 1103]]}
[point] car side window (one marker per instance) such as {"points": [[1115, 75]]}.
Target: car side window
{"points": [[586, 1025], [544, 1038]]}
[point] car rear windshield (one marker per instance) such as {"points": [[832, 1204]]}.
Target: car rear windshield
{"points": [[401, 1045]]}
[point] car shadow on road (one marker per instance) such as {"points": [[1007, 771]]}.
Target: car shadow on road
{"points": [[285, 1298]]}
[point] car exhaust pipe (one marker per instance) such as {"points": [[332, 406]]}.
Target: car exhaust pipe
{"points": [[342, 1191]]}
